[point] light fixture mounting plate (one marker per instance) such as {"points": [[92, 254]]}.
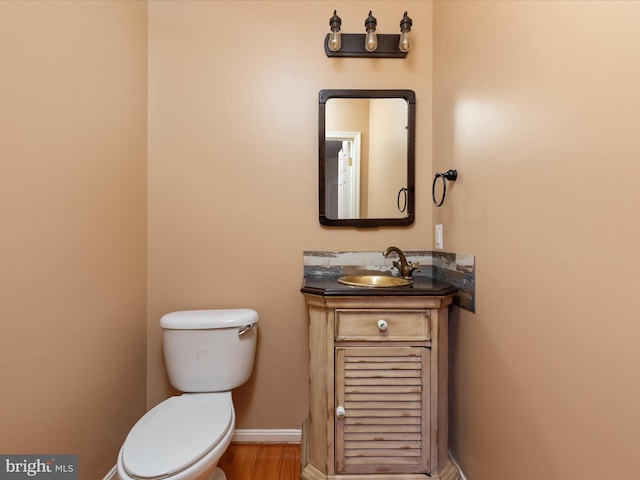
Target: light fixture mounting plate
{"points": [[353, 46]]}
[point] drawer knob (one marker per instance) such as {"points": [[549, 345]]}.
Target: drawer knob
{"points": [[382, 325], [340, 412]]}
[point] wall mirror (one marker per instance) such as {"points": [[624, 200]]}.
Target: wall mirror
{"points": [[367, 157]]}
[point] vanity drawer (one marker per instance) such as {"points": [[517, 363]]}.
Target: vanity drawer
{"points": [[383, 325]]}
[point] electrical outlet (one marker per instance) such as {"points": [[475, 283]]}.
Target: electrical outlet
{"points": [[439, 244]]}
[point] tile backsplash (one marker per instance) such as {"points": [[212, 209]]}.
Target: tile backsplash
{"points": [[454, 268]]}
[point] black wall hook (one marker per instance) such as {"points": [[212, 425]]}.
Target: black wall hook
{"points": [[451, 175]]}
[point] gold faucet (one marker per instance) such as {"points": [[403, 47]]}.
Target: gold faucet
{"points": [[405, 269]]}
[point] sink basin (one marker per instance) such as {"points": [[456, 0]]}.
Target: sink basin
{"points": [[376, 281]]}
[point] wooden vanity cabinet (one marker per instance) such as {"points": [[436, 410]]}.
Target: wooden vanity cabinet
{"points": [[378, 389]]}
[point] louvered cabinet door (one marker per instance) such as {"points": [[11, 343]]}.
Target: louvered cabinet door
{"points": [[382, 409]]}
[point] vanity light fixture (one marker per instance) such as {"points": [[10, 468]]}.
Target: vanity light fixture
{"points": [[369, 44]]}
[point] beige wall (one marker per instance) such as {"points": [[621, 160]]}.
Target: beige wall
{"points": [[387, 157], [72, 249], [537, 105], [233, 152]]}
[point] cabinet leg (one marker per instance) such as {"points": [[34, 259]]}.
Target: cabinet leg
{"points": [[449, 472]]}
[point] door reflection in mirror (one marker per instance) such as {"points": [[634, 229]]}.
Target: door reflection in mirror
{"points": [[342, 175]]}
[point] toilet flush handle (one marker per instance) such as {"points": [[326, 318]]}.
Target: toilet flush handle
{"points": [[245, 329]]}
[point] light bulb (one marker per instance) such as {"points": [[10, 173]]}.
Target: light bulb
{"points": [[370, 39], [335, 42], [404, 45]]}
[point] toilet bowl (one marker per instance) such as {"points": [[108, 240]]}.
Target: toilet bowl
{"points": [[182, 438], [208, 352]]}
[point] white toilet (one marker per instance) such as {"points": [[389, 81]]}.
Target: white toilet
{"points": [[207, 353]]}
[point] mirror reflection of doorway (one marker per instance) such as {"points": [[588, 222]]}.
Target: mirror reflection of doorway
{"points": [[342, 174], [332, 149]]}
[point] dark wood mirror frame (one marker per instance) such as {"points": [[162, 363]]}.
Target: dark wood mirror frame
{"points": [[410, 97]]}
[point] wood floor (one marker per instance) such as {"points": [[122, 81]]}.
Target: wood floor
{"points": [[261, 461]]}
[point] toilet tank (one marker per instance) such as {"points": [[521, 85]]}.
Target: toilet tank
{"points": [[209, 350]]}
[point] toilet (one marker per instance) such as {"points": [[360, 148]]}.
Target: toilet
{"points": [[207, 354]]}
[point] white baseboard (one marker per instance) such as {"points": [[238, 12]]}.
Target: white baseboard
{"points": [[462, 477], [267, 436], [113, 474]]}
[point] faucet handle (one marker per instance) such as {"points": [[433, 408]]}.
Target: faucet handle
{"points": [[407, 270]]}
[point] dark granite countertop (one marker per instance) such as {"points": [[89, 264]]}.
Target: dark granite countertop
{"points": [[328, 286]]}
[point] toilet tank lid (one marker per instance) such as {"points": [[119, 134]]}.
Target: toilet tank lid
{"points": [[209, 319]]}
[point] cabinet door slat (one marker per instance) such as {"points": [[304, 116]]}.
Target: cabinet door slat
{"points": [[400, 407], [387, 464], [382, 436], [382, 422], [373, 381], [375, 388], [383, 358], [382, 374], [376, 366], [383, 397]]}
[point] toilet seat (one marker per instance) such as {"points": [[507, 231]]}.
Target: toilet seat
{"points": [[176, 434]]}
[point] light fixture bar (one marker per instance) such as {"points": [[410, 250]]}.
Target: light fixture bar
{"points": [[353, 46]]}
